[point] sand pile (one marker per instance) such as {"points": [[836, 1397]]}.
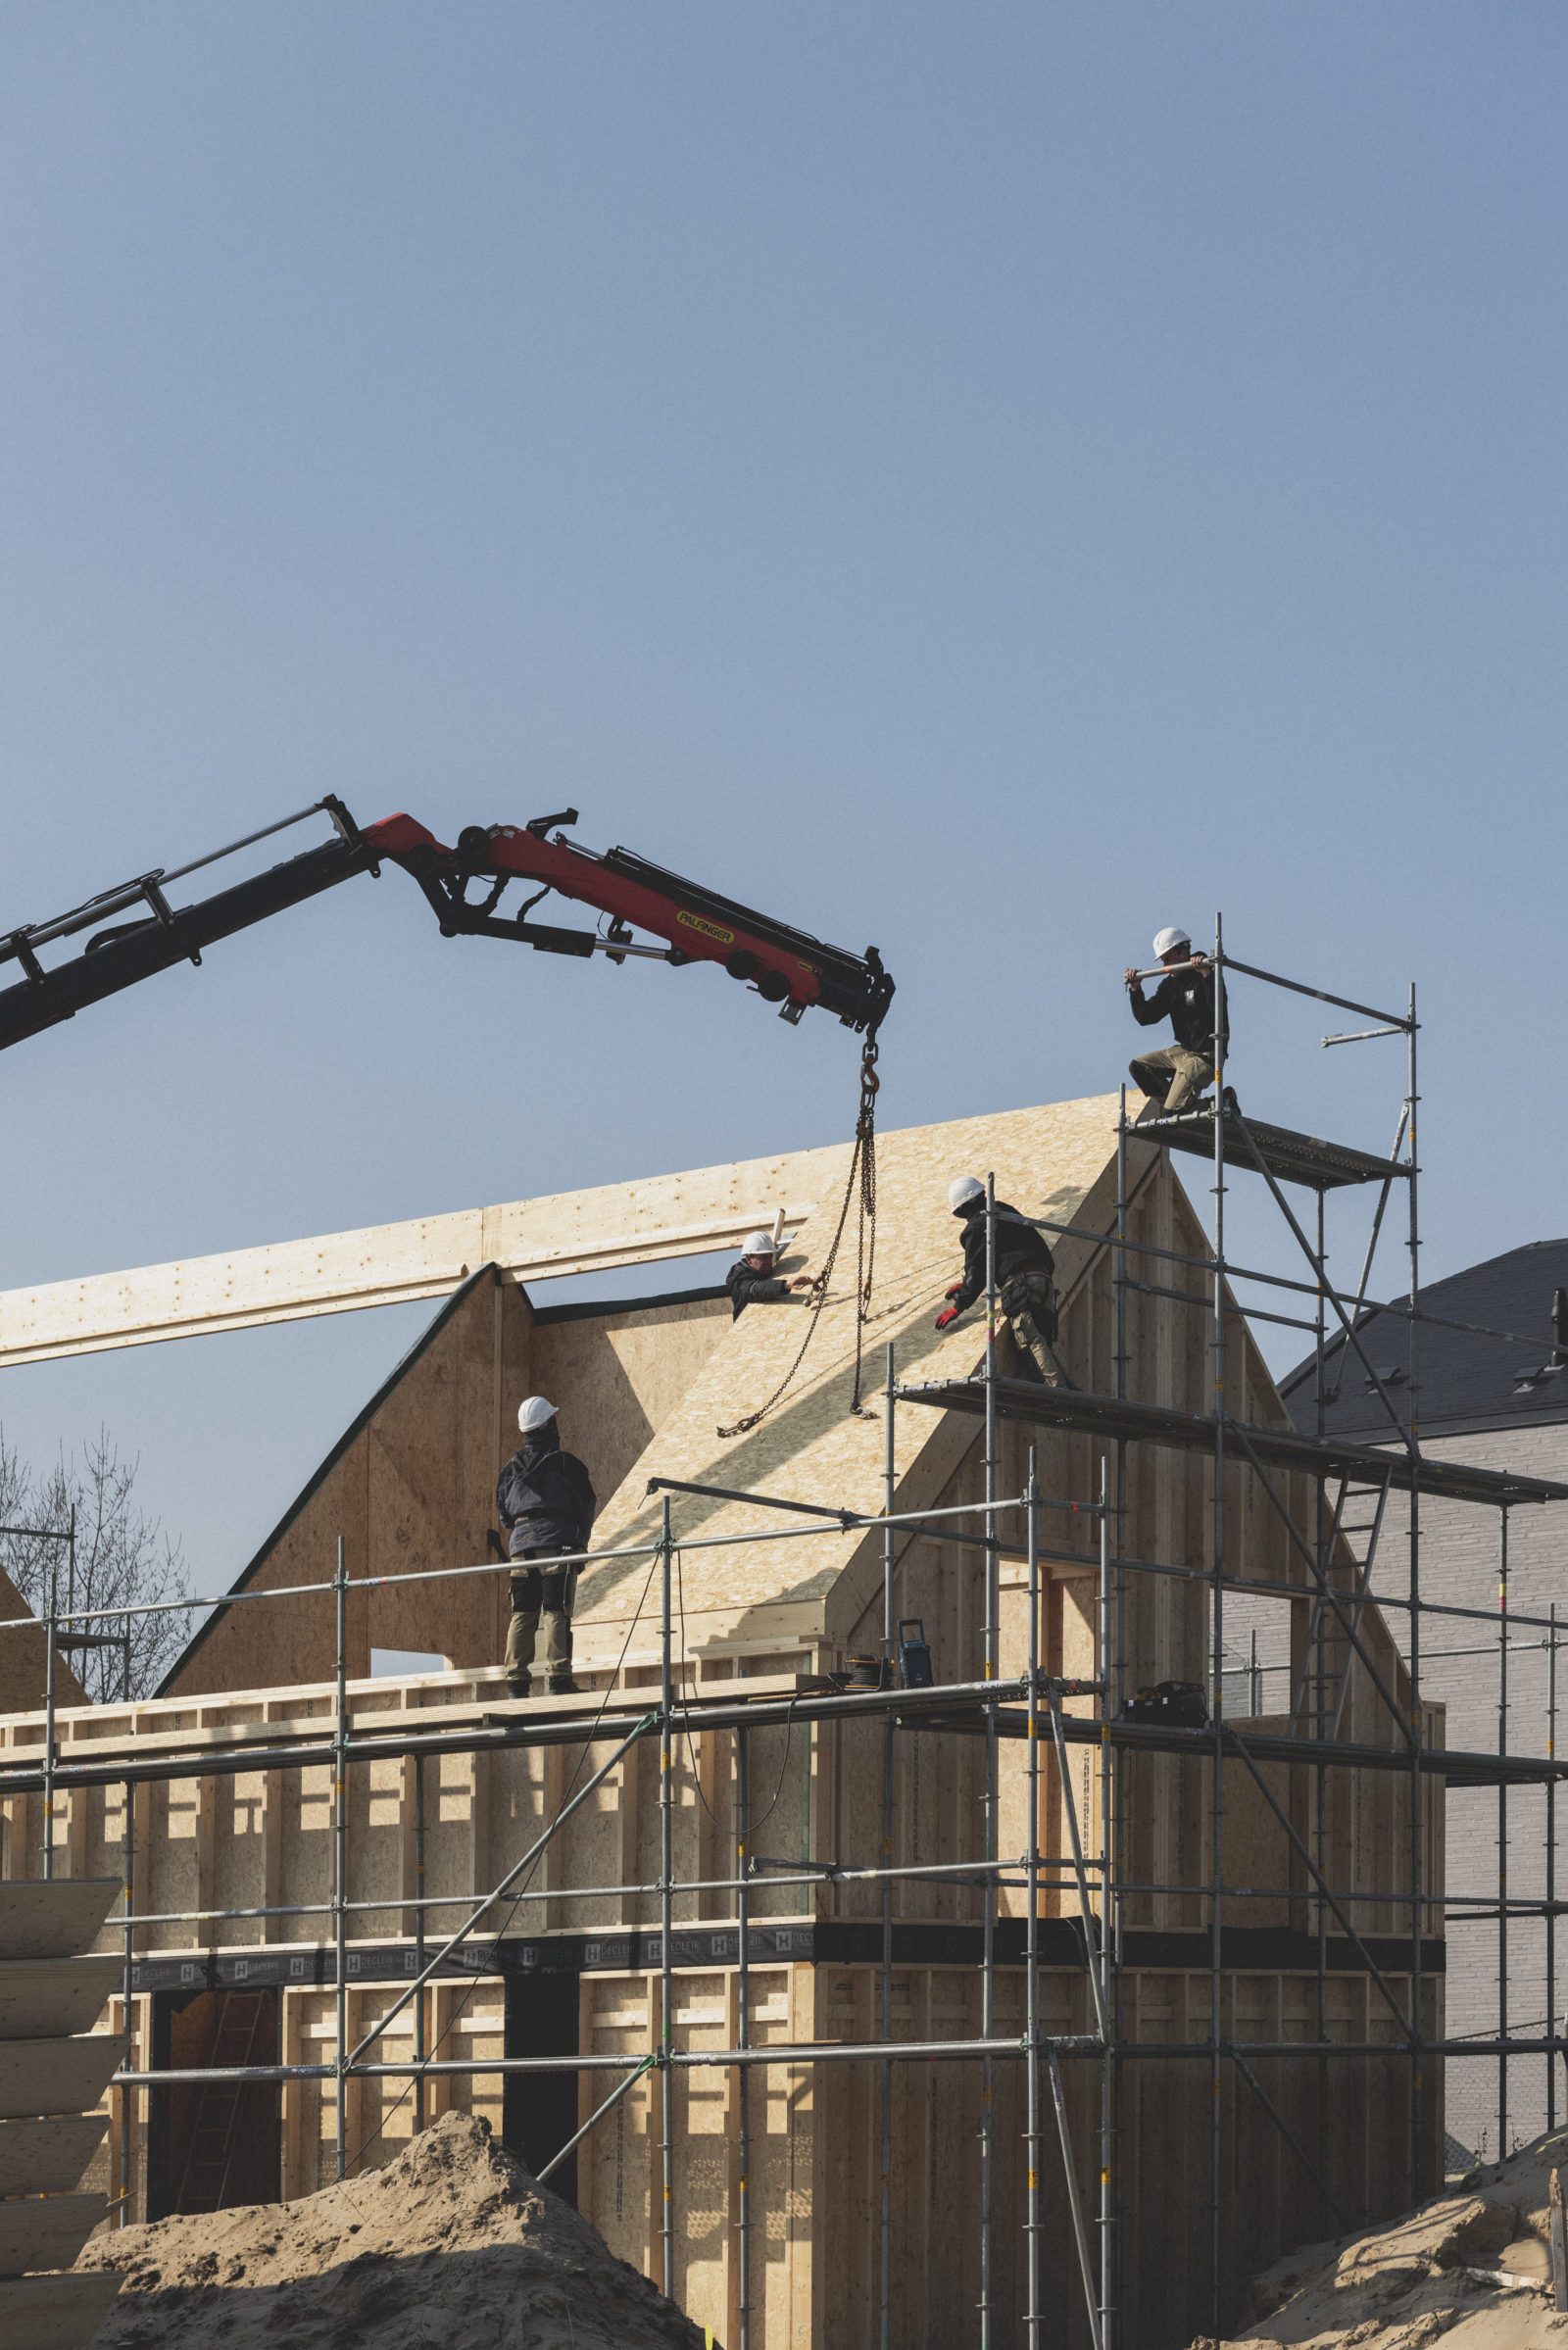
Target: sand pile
{"points": [[452, 2244], [1472, 2266]]}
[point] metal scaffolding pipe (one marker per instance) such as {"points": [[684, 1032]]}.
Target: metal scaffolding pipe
{"points": [[995, 1710]]}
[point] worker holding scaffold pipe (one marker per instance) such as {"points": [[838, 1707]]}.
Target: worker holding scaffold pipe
{"points": [[1176, 1076]]}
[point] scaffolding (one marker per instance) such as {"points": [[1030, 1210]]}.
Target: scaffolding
{"points": [[1030, 1707]]}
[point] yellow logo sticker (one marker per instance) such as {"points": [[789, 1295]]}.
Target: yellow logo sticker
{"points": [[709, 930]]}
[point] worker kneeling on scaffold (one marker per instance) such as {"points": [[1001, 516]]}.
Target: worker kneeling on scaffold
{"points": [[750, 1281], [1025, 1288], [1174, 1076], [545, 1500]]}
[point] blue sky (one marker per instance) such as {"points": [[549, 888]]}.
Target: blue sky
{"points": [[986, 479]]}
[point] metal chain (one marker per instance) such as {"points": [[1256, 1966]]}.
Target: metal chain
{"points": [[865, 1254], [862, 1164]]}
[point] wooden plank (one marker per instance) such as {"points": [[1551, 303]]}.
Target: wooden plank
{"points": [[59, 2077], [46, 2232], [55, 1919], [44, 1999], [48, 2158], [645, 1221]]}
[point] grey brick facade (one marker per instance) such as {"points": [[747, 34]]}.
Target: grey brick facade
{"points": [[1497, 1404]]}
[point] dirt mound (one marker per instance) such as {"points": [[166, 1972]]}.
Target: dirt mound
{"points": [[452, 2244], [1472, 2265]]}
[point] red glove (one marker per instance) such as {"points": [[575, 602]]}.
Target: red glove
{"points": [[956, 1291], [951, 1315]]}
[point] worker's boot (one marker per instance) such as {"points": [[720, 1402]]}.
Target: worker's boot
{"points": [[559, 1661]]}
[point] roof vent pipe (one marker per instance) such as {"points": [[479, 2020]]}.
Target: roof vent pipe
{"points": [[1559, 1325]]}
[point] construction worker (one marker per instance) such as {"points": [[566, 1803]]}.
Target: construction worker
{"points": [[1176, 1074], [547, 1504], [1025, 1289], [750, 1280]]}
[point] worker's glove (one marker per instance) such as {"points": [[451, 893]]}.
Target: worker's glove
{"points": [[956, 1291], [951, 1315]]}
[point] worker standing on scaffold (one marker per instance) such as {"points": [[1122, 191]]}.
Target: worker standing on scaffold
{"points": [[545, 1500], [1025, 1288], [1176, 1075]]}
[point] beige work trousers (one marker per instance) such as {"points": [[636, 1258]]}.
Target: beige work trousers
{"points": [[1189, 1071], [540, 1590], [1029, 1301]]}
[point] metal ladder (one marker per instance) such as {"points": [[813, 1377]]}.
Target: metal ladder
{"points": [[215, 2133], [1317, 1702]]}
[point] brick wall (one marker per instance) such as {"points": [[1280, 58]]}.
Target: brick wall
{"points": [[1460, 1557]]}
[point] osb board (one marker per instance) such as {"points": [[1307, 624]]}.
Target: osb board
{"points": [[620, 2168], [465, 2019], [412, 1488], [1353, 2115], [263, 1839], [23, 1659], [617, 1377], [815, 2161], [1047, 1162], [814, 2168], [641, 1222], [244, 1839]]}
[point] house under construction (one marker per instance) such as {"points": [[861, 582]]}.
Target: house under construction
{"points": [[857, 2005]]}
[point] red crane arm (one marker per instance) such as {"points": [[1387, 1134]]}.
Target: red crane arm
{"points": [[788, 967]]}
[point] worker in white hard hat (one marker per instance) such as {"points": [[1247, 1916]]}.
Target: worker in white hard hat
{"points": [[1175, 1076], [750, 1281], [546, 1505], [1025, 1288]]}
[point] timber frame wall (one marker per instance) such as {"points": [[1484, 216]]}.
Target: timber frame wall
{"points": [[900, 2015]]}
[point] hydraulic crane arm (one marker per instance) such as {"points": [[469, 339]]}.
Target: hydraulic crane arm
{"points": [[788, 967]]}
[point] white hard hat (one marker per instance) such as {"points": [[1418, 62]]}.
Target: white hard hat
{"points": [[534, 1412], [1169, 940], [759, 1244], [962, 1189]]}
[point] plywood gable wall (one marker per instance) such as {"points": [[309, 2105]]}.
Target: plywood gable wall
{"points": [[23, 1659], [410, 1488], [413, 1486]]}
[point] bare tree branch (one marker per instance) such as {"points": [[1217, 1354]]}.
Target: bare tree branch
{"points": [[121, 1558]]}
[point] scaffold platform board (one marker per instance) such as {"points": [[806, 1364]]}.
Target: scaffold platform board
{"points": [[1459, 1769], [1303, 1158], [1118, 1418]]}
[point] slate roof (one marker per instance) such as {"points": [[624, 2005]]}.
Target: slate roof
{"points": [[1464, 1384]]}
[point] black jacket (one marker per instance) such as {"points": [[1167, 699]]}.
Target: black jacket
{"points": [[1019, 1249], [747, 1287], [546, 1500], [1188, 998]]}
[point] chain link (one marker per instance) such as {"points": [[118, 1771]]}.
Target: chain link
{"points": [[862, 1165]]}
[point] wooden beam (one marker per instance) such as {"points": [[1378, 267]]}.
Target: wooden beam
{"points": [[645, 1221]]}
